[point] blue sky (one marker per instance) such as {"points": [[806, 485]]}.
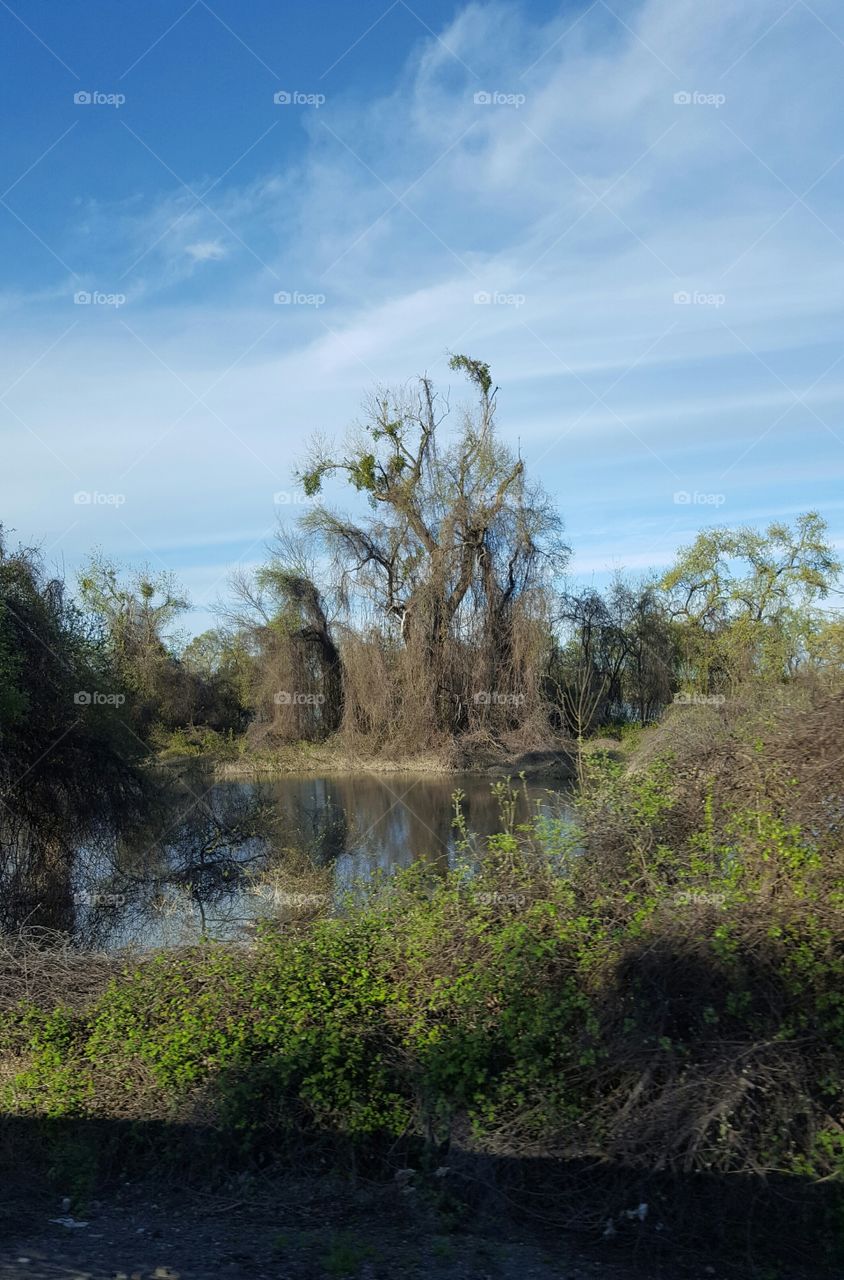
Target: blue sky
{"points": [[639, 224]]}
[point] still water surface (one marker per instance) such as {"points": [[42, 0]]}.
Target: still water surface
{"points": [[320, 837]]}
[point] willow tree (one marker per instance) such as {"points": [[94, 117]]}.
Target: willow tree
{"points": [[135, 612], [747, 601], [455, 561]]}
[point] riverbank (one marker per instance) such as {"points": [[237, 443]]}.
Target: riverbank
{"points": [[233, 758], [629, 1024], [499, 1051]]}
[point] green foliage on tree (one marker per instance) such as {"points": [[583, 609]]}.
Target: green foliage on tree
{"points": [[747, 601], [68, 757]]}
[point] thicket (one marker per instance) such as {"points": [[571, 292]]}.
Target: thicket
{"points": [[658, 987], [69, 758], [421, 604]]}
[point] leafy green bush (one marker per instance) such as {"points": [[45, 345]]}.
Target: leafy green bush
{"points": [[660, 984], [198, 741]]}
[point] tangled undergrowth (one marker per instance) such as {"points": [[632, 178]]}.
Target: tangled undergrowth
{"points": [[658, 986]]}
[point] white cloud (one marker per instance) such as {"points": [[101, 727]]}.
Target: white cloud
{"points": [[206, 251], [591, 204]]}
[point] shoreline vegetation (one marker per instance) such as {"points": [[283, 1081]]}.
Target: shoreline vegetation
{"points": [[649, 996], [611, 1018], [333, 758]]}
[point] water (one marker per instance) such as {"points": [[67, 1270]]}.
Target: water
{"points": [[289, 846]]}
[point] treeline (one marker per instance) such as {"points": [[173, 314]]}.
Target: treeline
{"points": [[69, 752], [442, 615]]}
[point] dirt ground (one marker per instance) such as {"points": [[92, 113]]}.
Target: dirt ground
{"points": [[141, 1234]]}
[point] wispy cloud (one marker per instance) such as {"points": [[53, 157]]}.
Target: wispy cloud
{"points": [[206, 251], [618, 224]]}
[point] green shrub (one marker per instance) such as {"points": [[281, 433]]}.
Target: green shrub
{"points": [[662, 983]]}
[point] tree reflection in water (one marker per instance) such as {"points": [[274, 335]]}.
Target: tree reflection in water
{"points": [[212, 858]]}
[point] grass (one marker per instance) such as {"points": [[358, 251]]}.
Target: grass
{"points": [[234, 756]]}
